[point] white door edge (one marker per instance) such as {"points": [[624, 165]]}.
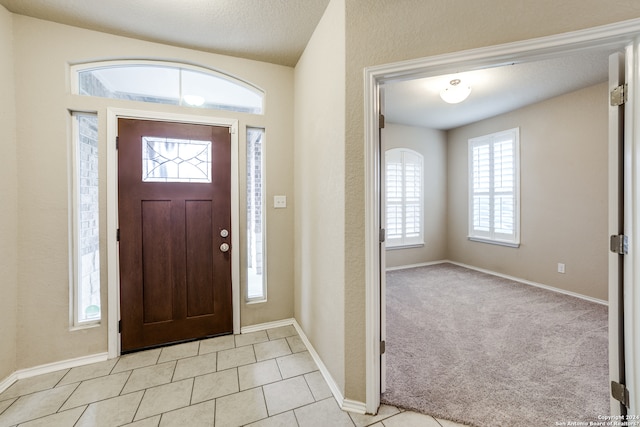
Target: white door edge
{"points": [[113, 270]]}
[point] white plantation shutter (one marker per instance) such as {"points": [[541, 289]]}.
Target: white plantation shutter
{"points": [[493, 187], [404, 204]]}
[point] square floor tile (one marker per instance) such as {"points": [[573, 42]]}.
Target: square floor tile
{"points": [[66, 418], [97, 389], [411, 419], [296, 364], [251, 338], [318, 385], [36, 405], [271, 349], [147, 422], [257, 374], [296, 344], [200, 415], [111, 412], [149, 376], [286, 395], [33, 384], [236, 357], [281, 332], [165, 398], [137, 360], [322, 414], [88, 372], [4, 404], [217, 384], [194, 366], [179, 351], [385, 411], [216, 344], [240, 408], [286, 419]]}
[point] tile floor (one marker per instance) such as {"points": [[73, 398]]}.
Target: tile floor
{"points": [[259, 379]]}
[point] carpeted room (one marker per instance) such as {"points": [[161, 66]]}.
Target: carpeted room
{"points": [[563, 220]]}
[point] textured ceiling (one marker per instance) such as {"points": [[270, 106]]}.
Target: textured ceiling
{"points": [[275, 31]]}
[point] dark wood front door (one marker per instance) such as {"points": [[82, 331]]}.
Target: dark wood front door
{"points": [[174, 213]]}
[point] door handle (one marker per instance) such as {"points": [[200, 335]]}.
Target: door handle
{"points": [[224, 247]]}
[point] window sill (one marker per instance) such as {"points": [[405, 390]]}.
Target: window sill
{"points": [[87, 325], [255, 301], [494, 242], [393, 248]]}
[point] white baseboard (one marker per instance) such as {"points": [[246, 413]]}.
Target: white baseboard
{"points": [[422, 264], [267, 325], [7, 382], [345, 404], [51, 367], [530, 283]]}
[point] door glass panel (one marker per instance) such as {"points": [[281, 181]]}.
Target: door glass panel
{"points": [[175, 160]]}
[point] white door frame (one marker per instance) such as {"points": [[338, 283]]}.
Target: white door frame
{"points": [[113, 270], [614, 36]]}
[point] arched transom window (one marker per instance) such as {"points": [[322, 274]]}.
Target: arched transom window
{"points": [[166, 83]]}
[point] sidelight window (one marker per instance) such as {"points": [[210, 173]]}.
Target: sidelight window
{"points": [[256, 265], [85, 236]]}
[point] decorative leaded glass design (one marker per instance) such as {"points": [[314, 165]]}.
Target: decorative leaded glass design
{"points": [[175, 160]]}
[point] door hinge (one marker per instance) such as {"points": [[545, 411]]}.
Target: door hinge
{"points": [[118, 235], [381, 121], [620, 392], [619, 244], [383, 347], [117, 142], [383, 235], [119, 326], [619, 95]]}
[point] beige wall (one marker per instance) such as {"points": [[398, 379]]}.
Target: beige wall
{"points": [[319, 190], [383, 32], [43, 51], [563, 194], [432, 144], [9, 203]]}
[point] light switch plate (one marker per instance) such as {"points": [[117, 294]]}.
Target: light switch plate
{"points": [[279, 202]]}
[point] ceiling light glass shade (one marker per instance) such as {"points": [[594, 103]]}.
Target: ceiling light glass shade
{"points": [[456, 92]]}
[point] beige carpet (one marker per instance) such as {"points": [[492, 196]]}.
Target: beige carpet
{"points": [[486, 351]]}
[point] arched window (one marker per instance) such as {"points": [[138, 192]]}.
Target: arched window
{"points": [[166, 83], [404, 197]]}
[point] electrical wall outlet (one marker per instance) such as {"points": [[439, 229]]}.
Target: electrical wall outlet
{"points": [[279, 202], [560, 268]]}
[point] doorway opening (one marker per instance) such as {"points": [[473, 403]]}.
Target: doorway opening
{"points": [[610, 38]]}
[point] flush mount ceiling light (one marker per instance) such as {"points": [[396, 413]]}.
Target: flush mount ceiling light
{"points": [[456, 92]]}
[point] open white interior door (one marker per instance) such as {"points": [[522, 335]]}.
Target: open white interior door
{"points": [[616, 228], [383, 263]]}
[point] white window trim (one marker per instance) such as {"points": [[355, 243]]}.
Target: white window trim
{"points": [[490, 236], [403, 242], [74, 228]]}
